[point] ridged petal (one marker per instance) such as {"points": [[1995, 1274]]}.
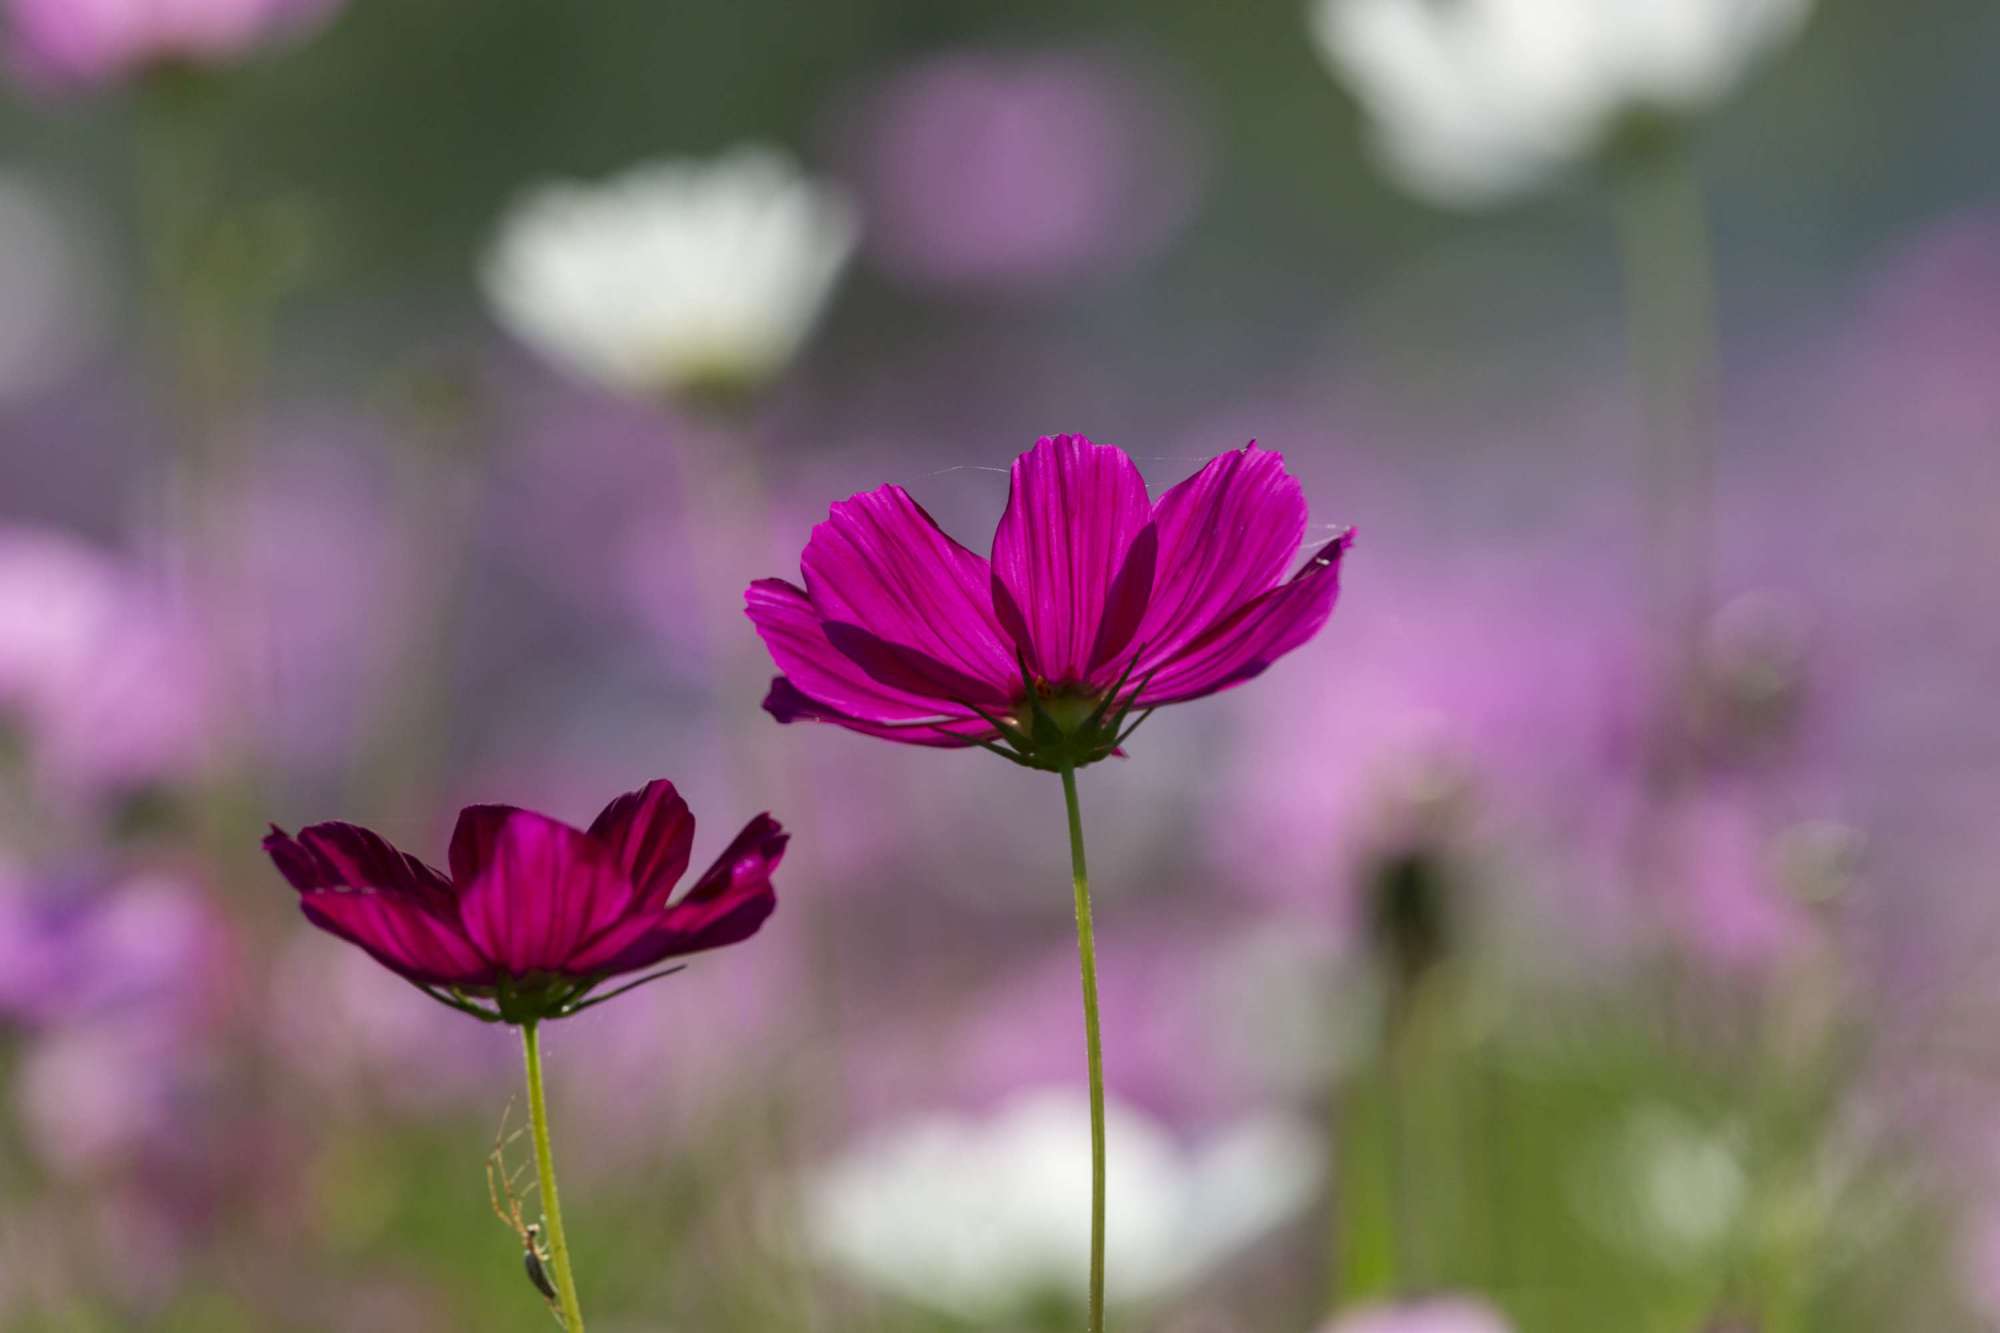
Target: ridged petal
{"points": [[1257, 635], [788, 703], [727, 904], [830, 685], [650, 833], [1073, 558], [1226, 535], [883, 576], [545, 889], [472, 840], [347, 856], [401, 936], [354, 884]]}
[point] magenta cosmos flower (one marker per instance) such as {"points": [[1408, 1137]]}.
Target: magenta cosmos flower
{"points": [[535, 914], [80, 43], [1096, 602]]}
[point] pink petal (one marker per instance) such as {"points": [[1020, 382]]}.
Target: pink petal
{"points": [[788, 703], [745, 865], [347, 856], [886, 581], [545, 889], [401, 936], [472, 840], [1226, 535], [357, 886], [1256, 636], [838, 687], [1073, 558], [650, 833], [727, 904]]}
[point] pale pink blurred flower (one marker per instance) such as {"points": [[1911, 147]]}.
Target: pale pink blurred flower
{"points": [[990, 169], [1491, 696], [1437, 1315], [64, 44], [685, 1048], [103, 680], [99, 1095], [365, 1043], [1200, 1024], [131, 983], [1735, 902], [1891, 549]]}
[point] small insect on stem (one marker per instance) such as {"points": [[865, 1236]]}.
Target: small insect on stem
{"points": [[504, 1192], [535, 1259]]}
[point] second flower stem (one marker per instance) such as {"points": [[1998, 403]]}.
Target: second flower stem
{"points": [[545, 1172], [1086, 947], [1670, 299]]}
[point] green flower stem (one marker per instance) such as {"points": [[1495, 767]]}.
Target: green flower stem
{"points": [[545, 1172], [1670, 300], [1086, 948]]}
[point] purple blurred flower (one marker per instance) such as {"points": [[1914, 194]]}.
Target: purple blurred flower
{"points": [[989, 169], [303, 686], [536, 914], [73, 951], [1436, 1315], [1097, 602], [59, 44]]}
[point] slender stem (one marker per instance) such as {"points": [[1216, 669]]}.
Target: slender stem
{"points": [[1400, 1058], [1086, 948], [1670, 311], [545, 1172]]}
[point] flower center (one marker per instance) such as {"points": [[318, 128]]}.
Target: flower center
{"points": [[1068, 707]]}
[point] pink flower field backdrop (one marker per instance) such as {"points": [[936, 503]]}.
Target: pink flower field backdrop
{"points": [[1472, 522]]}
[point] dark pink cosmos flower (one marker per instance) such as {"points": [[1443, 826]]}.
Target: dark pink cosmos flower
{"points": [[535, 914], [1097, 602]]}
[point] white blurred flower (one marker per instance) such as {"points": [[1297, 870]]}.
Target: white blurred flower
{"points": [[985, 1217], [1663, 1185], [1476, 100], [675, 276], [1442, 1315]]}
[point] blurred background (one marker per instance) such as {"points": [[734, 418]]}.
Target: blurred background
{"points": [[1587, 931]]}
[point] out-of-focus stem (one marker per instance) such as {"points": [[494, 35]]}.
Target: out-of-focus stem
{"points": [[545, 1172], [1400, 1059], [1086, 947], [1670, 312]]}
